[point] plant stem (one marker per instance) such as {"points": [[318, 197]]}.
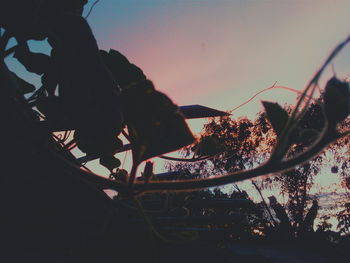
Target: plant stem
{"points": [[195, 184], [133, 174]]}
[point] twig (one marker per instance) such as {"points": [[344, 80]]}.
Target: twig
{"points": [[195, 184], [264, 90], [133, 174], [265, 204], [251, 98], [281, 147], [10, 51], [191, 160], [265, 169], [91, 8], [3, 42]]}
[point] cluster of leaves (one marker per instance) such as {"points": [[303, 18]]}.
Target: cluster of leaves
{"points": [[232, 144], [98, 115]]}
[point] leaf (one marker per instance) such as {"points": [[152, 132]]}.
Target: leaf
{"points": [[336, 100], [110, 162], [122, 70], [277, 116], [25, 87], [33, 62], [154, 123], [49, 81]]}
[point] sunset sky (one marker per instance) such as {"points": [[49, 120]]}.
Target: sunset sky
{"points": [[221, 52]]}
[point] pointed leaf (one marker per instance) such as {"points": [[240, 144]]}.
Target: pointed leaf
{"points": [[25, 87], [122, 70], [336, 100], [110, 162], [37, 63], [277, 116], [154, 123]]}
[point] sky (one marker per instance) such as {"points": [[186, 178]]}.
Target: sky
{"points": [[219, 53]]}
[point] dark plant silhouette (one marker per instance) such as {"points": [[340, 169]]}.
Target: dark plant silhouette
{"points": [[99, 95]]}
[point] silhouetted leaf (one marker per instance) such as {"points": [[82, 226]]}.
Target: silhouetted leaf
{"points": [[49, 81], [336, 100], [33, 62], [154, 122], [277, 116], [110, 162], [24, 86], [122, 70], [97, 142]]}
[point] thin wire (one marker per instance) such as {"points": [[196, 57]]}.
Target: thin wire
{"points": [[191, 160]]}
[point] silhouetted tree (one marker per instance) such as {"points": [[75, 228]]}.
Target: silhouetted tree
{"points": [[240, 144]]}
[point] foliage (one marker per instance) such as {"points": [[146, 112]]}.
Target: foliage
{"points": [[101, 93], [244, 144]]}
